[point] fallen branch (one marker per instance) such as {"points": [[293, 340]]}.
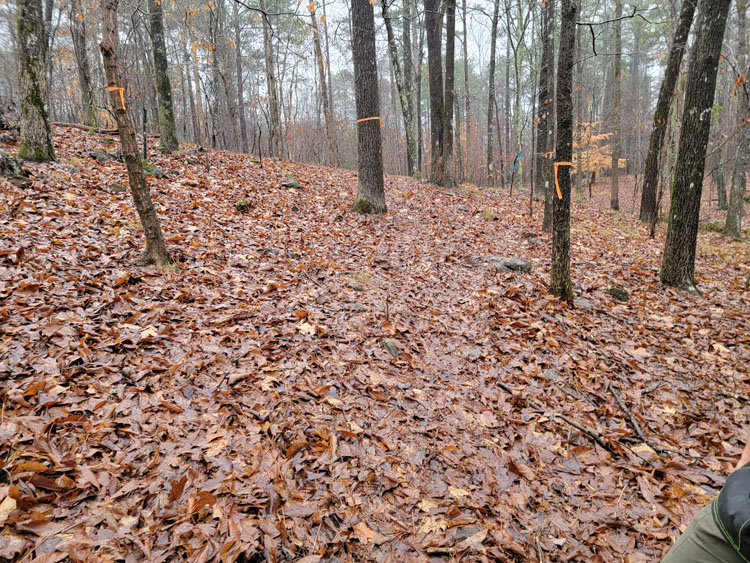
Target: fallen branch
{"points": [[627, 411], [86, 128]]}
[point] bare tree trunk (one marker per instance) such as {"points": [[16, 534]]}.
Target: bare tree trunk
{"points": [[460, 174], [78, 33], [271, 83], [198, 94], [450, 62], [467, 97], [156, 250], [240, 80], [549, 192], [661, 115], [560, 283], [491, 95], [404, 92], [332, 160], [36, 137], [167, 128], [678, 263], [733, 225], [544, 113], [614, 199], [370, 190], [434, 25]]}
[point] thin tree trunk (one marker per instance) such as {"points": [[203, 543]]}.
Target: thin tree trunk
{"points": [[198, 94], [404, 92], [549, 191], [370, 190], [240, 81], [544, 103], [491, 95], [678, 263], [468, 176], [271, 83], [661, 115], [450, 61], [460, 174], [36, 138], [614, 194], [560, 283], [434, 24], [78, 33], [579, 111], [156, 250], [332, 160], [167, 128], [733, 225]]}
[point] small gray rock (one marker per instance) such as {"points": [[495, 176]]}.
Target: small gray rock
{"points": [[117, 188], [69, 168], [619, 293], [291, 182], [389, 345], [509, 264], [582, 303], [463, 208], [100, 155], [10, 167]]}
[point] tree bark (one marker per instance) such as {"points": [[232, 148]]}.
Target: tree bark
{"points": [[332, 160], [36, 138], [661, 115], [544, 107], [201, 118], [78, 34], [167, 128], [733, 225], [549, 192], [404, 92], [240, 80], [467, 175], [491, 95], [560, 283], [370, 190], [450, 62], [271, 83], [434, 25], [614, 194], [156, 250], [678, 263]]}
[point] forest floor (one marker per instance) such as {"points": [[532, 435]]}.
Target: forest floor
{"points": [[317, 385]]}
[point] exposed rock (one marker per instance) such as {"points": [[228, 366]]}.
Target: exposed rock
{"points": [[100, 155], [389, 345], [509, 264], [463, 208], [117, 188], [291, 182], [69, 168], [152, 170], [619, 293], [10, 167], [584, 304]]}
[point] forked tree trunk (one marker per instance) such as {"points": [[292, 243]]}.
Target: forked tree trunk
{"points": [[560, 283], [370, 191], [271, 83], [156, 250], [678, 263], [78, 34], [661, 115], [36, 137], [491, 175], [450, 63], [404, 91], [434, 25], [614, 195], [167, 128]]}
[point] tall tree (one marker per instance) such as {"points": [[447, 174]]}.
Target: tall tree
{"points": [[450, 62], [491, 177], [370, 190], [167, 128], [271, 82], [78, 34], [544, 108], [404, 90], [614, 195], [733, 225], [327, 109], [549, 192], [560, 283], [434, 24], [36, 137], [678, 262], [240, 78], [467, 93], [156, 249], [661, 115]]}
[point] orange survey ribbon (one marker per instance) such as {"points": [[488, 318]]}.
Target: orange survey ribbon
{"points": [[557, 184], [120, 89], [371, 119]]}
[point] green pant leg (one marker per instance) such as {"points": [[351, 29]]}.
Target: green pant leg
{"points": [[702, 542]]}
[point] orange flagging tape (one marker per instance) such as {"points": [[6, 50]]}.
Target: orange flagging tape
{"points": [[118, 89], [370, 119], [557, 184]]}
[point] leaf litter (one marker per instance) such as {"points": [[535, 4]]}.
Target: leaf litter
{"points": [[244, 407]]}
